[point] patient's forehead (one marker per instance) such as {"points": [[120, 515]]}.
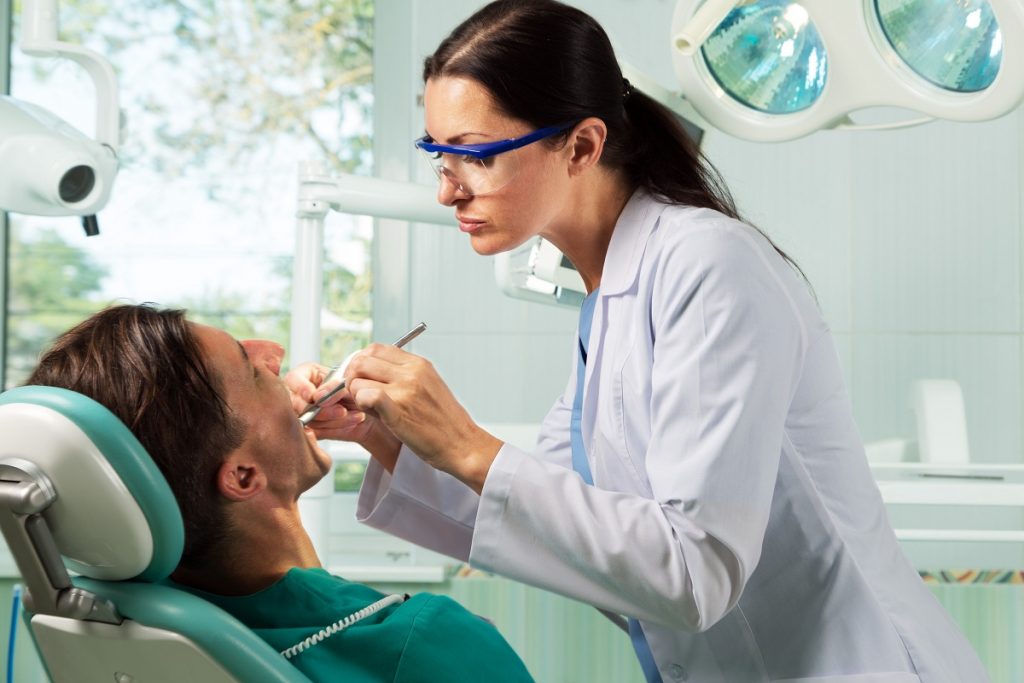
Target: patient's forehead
{"points": [[222, 354]]}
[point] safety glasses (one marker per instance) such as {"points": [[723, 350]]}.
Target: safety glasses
{"points": [[481, 168]]}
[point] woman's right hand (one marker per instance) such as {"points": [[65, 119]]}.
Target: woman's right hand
{"points": [[414, 403]]}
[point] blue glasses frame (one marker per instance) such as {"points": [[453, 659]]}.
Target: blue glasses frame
{"points": [[490, 149]]}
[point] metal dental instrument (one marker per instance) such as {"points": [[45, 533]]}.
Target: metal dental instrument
{"points": [[314, 409]]}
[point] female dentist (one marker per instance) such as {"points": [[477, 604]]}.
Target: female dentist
{"points": [[702, 474]]}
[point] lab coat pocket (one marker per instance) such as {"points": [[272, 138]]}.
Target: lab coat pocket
{"points": [[613, 470], [629, 416]]}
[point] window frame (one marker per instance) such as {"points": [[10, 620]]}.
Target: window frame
{"points": [[6, 45]]}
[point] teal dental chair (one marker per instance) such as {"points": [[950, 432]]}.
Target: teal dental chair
{"points": [[79, 492]]}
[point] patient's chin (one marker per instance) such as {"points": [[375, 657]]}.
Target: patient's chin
{"points": [[324, 461], [320, 456]]}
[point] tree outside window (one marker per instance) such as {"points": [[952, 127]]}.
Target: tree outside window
{"points": [[221, 101]]}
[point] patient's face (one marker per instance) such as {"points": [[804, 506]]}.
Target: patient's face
{"points": [[250, 375]]}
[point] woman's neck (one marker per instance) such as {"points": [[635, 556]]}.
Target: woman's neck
{"points": [[584, 233]]}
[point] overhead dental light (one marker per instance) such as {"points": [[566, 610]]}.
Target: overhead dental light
{"points": [[47, 166], [771, 70]]}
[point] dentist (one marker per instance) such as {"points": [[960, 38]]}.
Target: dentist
{"points": [[702, 474]]}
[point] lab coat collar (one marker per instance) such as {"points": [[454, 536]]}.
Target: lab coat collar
{"points": [[626, 248], [619, 275]]}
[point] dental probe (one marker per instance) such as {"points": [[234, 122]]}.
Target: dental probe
{"points": [[314, 409]]}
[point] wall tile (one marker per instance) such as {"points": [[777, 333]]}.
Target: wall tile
{"points": [[936, 229], [844, 347]]}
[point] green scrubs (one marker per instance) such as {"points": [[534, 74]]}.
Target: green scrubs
{"points": [[426, 638]]}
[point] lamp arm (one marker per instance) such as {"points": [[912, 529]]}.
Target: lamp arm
{"points": [[364, 195], [705, 20], [320, 193], [39, 39]]}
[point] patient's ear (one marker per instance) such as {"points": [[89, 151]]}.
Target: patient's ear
{"points": [[240, 479]]}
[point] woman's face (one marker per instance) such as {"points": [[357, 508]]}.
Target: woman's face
{"points": [[461, 111]]}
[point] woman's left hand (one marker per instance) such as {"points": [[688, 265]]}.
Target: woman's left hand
{"points": [[408, 395], [339, 418]]}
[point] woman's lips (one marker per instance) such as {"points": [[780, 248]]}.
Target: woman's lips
{"points": [[467, 224]]}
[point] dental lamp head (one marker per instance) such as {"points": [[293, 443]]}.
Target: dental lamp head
{"points": [[48, 167]]}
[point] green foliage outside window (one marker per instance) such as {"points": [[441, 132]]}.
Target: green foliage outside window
{"points": [[51, 288], [348, 475]]}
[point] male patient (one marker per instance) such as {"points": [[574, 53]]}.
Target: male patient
{"points": [[219, 422]]}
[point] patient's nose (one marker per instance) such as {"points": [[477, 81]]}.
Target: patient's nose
{"points": [[265, 353]]}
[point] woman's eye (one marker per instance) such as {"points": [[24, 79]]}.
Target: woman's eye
{"points": [[435, 155]]}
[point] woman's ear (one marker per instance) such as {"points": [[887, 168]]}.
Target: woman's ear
{"points": [[240, 479], [586, 142]]}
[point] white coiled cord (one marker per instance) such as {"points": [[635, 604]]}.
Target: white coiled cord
{"points": [[341, 624]]}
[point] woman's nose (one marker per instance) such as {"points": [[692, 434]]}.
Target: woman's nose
{"points": [[449, 192], [265, 353]]}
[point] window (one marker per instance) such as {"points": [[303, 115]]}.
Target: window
{"points": [[220, 102]]}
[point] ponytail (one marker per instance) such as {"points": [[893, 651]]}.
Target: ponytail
{"points": [[667, 162]]}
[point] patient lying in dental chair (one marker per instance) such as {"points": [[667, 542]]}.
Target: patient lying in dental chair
{"points": [[215, 416]]}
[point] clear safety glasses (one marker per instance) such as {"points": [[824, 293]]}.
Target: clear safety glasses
{"points": [[480, 169], [778, 69]]}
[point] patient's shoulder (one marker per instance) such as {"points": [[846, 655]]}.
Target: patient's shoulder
{"points": [[426, 637], [447, 638]]}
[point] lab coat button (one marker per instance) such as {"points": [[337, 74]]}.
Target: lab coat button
{"points": [[677, 672]]}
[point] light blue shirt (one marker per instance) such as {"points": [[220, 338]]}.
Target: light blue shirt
{"points": [[579, 453], [580, 464]]}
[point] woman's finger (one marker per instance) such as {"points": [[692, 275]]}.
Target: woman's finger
{"points": [[372, 367], [371, 396], [302, 380], [387, 352]]}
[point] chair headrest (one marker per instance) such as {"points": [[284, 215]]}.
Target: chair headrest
{"points": [[115, 516]]}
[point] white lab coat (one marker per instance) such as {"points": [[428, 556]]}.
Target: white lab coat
{"points": [[733, 510]]}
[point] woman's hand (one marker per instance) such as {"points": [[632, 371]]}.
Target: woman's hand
{"points": [[339, 418], [405, 392]]}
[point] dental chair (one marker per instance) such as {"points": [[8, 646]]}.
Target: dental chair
{"points": [[79, 492]]}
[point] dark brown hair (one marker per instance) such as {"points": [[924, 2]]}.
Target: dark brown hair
{"points": [[546, 63], [146, 366]]}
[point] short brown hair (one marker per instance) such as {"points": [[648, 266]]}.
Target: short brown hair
{"points": [[146, 366]]}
